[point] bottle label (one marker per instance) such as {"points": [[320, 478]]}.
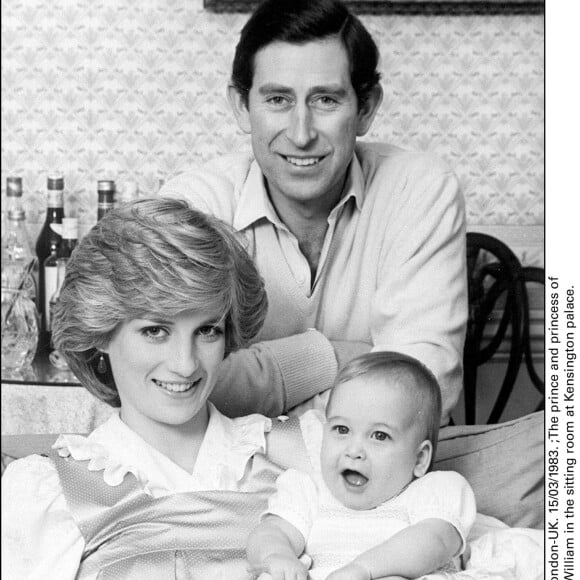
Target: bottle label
{"points": [[103, 208], [50, 287], [55, 198]]}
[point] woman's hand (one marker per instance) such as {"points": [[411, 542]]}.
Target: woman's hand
{"points": [[281, 567]]}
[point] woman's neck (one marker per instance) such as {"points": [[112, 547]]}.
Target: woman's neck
{"points": [[180, 443]]}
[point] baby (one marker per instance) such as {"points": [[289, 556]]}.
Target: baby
{"points": [[370, 508]]}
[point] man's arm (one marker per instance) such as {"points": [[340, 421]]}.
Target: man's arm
{"points": [[421, 303], [269, 377], [417, 550]]}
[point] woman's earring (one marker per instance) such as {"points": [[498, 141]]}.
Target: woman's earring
{"points": [[102, 365]]}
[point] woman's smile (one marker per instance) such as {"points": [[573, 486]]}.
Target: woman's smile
{"points": [[177, 387]]}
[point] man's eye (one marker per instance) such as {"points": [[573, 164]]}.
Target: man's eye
{"points": [[326, 101], [380, 435], [277, 100]]}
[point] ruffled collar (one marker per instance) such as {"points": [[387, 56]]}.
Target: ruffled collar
{"points": [[116, 450]]}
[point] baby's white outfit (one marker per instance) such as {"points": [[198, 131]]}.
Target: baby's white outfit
{"points": [[335, 534]]}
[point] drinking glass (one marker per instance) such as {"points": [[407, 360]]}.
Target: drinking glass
{"points": [[19, 329]]}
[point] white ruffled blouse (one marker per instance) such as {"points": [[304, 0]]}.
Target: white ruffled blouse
{"points": [[40, 539]]}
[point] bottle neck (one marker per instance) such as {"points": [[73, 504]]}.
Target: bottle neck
{"points": [[54, 199]]}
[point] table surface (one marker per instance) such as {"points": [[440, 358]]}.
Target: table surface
{"points": [[45, 399], [42, 372]]}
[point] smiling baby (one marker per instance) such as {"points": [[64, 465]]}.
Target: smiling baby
{"points": [[370, 508]]}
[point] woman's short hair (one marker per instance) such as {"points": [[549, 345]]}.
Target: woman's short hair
{"points": [[301, 21], [405, 370], [152, 256]]}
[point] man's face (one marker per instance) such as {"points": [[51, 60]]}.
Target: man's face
{"points": [[304, 118]]}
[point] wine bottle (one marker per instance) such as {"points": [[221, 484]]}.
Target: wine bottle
{"points": [[106, 197], [47, 245]]}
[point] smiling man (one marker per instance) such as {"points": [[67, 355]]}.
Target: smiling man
{"points": [[361, 245]]}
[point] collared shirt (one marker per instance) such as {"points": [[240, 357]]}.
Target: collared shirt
{"points": [[392, 275], [254, 205]]}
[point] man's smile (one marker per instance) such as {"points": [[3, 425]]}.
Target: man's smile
{"points": [[303, 161]]}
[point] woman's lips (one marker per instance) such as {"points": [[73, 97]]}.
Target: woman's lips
{"points": [[176, 386]]}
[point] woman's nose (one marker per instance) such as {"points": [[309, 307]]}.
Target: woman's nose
{"points": [[301, 130], [184, 360]]}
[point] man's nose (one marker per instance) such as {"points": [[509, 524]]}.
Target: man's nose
{"points": [[301, 130], [184, 360]]}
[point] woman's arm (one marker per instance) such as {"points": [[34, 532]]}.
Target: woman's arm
{"points": [[419, 549], [274, 547], [39, 536]]}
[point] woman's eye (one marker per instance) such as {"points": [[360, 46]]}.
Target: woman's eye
{"points": [[380, 436], [210, 332], [154, 332]]}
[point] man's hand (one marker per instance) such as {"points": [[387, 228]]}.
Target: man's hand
{"points": [[282, 567], [352, 571]]}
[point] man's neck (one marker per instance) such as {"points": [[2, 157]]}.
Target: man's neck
{"points": [[308, 221]]}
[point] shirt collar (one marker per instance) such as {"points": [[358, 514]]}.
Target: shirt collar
{"points": [[227, 447], [254, 203]]}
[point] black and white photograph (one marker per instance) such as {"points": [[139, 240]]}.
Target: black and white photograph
{"points": [[287, 290]]}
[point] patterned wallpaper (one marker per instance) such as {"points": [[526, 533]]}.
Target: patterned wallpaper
{"points": [[135, 90]]}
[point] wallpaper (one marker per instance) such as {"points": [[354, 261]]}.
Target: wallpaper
{"points": [[135, 90]]}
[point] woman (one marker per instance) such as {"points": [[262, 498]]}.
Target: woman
{"points": [[153, 299]]}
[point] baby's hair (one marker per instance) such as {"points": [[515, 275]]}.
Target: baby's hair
{"points": [[408, 371]]}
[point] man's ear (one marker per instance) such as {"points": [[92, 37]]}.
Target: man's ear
{"points": [[424, 454], [238, 103], [369, 109]]}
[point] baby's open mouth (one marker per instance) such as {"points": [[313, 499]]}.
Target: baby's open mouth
{"points": [[354, 478]]}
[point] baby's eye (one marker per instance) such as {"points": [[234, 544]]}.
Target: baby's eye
{"points": [[380, 435], [340, 429]]}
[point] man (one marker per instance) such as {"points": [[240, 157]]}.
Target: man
{"points": [[361, 245]]}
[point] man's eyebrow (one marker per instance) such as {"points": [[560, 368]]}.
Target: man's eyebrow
{"points": [[334, 89], [274, 88]]}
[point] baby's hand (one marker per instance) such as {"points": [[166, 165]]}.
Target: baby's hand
{"points": [[352, 571], [282, 568]]}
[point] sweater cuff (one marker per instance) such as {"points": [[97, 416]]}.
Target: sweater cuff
{"points": [[307, 364]]}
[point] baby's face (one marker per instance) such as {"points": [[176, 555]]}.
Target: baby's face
{"points": [[372, 445]]}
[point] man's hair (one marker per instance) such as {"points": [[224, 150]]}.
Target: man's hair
{"points": [[152, 257], [301, 21], [401, 369]]}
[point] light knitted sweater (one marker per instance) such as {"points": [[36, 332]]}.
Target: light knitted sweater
{"points": [[392, 274]]}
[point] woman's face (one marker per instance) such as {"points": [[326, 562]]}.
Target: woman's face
{"points": [[165, 368]]}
